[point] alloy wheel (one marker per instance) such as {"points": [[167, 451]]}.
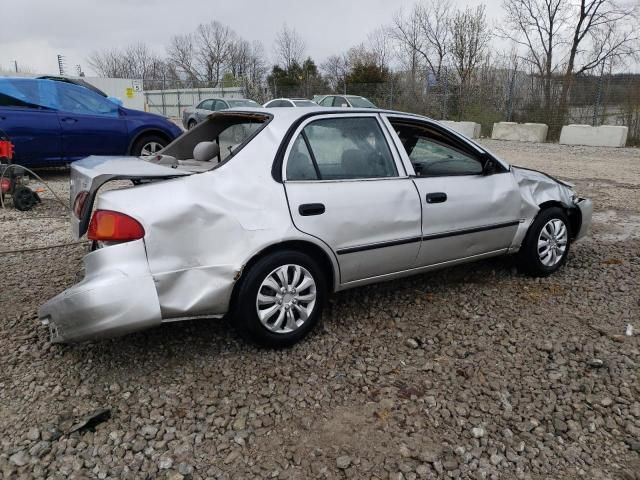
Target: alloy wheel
{"points": [[286, 298], [552, 242]]}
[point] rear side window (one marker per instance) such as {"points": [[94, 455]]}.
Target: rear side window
{"points": [[341, 149], [27, 93]]}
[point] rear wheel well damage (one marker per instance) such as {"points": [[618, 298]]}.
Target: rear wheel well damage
{"points": [[314, 251], [574, 214]]}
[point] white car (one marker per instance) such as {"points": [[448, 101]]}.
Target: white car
{"points": [[290, 102], [261, 213]]}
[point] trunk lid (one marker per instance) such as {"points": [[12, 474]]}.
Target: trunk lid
{"points": [[89, 174]]}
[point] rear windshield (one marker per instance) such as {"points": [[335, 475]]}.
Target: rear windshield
{"points": [[214, 141]]}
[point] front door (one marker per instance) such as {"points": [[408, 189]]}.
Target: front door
{"points": [[467, 210], [346, 187]]}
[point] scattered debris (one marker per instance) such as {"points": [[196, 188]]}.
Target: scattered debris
{"points": [[90, 421], [629, 331], [596, 363]]}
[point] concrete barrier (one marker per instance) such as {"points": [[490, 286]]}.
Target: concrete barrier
{"points": [[603, 136], [468, 129], [520, 132]]}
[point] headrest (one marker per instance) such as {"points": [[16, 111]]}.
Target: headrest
{"points": [[206, 151]]}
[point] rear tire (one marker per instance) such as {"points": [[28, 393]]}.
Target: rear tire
{"points": [[546, 245], [280, 299], [148, 145]]}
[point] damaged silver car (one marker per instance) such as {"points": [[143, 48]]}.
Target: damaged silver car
{"points": [[261, 213]]}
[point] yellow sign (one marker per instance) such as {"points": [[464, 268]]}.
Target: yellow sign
{"points": [[129, 92]]}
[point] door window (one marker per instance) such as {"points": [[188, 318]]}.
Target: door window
{"points": [[206, 105], [433, 154], [340, 102], [27, 93], [341, 149], [220, 105], [82, 101], [327, 101]]}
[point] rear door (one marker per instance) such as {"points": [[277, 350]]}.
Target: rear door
{"points": [[27, 118], [346, 187], [467, 211], [91, 124]]}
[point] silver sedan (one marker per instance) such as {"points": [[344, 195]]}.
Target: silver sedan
{"points": [[261, 213]]}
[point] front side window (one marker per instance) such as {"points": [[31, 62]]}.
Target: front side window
{"points": [[327, 101], [341, 149], [361, 102], [434, 154], [206, 105], [82, 101]]}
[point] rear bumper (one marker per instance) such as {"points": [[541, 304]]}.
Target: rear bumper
{"points": [[586, 211], [116, 297]]}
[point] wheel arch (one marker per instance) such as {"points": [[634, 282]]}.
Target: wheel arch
{"points": [[315, 251], [147, 132], [573, 213]]}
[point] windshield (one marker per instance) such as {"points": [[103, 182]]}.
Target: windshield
{"points": [[305, 103], [361, 102], [242, 103]]}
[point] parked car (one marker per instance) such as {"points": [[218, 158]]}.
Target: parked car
{"points": [[307, 202], [52, 122], [192, 116], [290, 102], [345, 101]]}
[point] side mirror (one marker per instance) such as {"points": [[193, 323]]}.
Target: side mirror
{"points": [[489, 167]]}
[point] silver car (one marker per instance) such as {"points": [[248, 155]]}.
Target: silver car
{"points": [[290, 102], [261, 213], [191, 116], [343, 101]]}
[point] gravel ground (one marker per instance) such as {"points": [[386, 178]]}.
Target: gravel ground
{"points": [[472, 372]]}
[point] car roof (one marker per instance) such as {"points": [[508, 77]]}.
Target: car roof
{"points": [[292, 114]]}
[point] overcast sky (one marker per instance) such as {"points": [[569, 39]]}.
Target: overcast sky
{"points": [[33, 32]]}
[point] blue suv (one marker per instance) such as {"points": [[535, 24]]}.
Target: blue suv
{"points": [[53, 122]]}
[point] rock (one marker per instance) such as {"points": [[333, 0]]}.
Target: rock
{"points": [[596, 363], [165, 463], [606, 402], [343, 462], [546, 346], [412, 343], [149, 432], [20, 458], [478, 432], [33, 434]]}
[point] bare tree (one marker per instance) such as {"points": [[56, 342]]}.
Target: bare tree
{"points": [[182, 54], [379, 43], [570, 38], [335, 70], [214, 41], [134, 61], [470, 38], [426, 32], [289, 47]]}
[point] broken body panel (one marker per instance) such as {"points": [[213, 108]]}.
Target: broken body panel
{"points": [[201, 230]]}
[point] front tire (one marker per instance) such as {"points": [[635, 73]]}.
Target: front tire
{"points": [[546, 246], [280, 299]]}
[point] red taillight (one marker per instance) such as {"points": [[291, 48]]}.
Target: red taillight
{"points": [[5, 185], [109, 226], [78, 204], [6, 149]]}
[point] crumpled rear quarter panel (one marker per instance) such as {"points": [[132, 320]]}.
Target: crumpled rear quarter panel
{"points": [[201, 230]]}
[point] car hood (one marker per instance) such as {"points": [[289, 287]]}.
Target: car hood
{"points": [[89, 174]]}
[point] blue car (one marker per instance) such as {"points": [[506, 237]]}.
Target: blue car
{"points": [[53, 122]]}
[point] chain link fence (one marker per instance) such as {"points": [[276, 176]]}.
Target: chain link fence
{"points": [[493, 95]]}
